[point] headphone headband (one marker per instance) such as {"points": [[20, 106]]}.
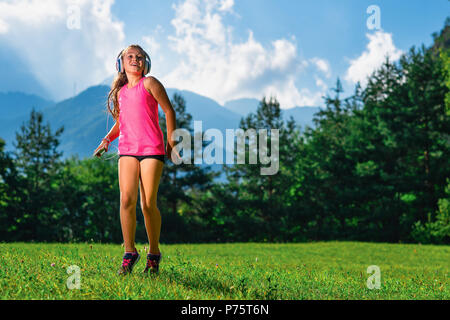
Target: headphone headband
{"points": [[147, 64]]}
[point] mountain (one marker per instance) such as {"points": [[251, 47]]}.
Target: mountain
{"points": [[204, 109], [302, 115], [85, 119], [16, 104], [86, 122], [198, 105], [242, 106], [16, 107]]}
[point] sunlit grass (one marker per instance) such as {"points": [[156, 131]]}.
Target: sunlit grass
{"points": [[323, 270]]}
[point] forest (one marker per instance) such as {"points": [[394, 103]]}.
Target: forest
{"points": [[375, 168]]}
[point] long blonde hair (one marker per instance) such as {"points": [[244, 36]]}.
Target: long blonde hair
{"points": [[119, 81]]}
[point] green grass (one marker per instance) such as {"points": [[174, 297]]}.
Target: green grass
{"points": [[323, 270]]}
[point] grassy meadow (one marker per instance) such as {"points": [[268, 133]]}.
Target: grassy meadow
{"points": [[249, 271]]}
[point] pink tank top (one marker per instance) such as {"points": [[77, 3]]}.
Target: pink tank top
{"points": [[140, 133]]}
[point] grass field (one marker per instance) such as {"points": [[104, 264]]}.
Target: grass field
{"points": [[323, 270]]}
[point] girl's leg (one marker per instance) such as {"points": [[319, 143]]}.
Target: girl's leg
{"points": [[151, 170], [128, 184]]}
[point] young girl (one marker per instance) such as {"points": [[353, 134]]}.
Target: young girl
{"points": [[141, 149]]}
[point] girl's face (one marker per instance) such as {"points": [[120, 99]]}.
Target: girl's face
{"points": [[133, 61]]}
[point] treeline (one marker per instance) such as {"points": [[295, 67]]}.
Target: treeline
{"points": [[374, 168]]}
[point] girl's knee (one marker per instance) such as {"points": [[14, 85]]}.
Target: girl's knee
{"points": [[127, 201], [149, 207]]}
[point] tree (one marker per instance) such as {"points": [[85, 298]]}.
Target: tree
{"points": [[437, 229], [262, 200], [90, 189], [330, 186], [10, 196], [409, 111], [37, 161]]}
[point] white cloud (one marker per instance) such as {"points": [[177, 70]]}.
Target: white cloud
{"points": [[322, 65], [4, 27], [152, 44], [226, 5], [59, 56], [214, 65], [380, 44], [31, 13], [208, 60], [320, 83]]}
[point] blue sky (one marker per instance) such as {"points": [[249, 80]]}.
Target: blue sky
{"points": [[223, 49]]}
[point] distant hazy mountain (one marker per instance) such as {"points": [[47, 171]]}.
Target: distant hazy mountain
{"points": [[302, 115], [15, 104], [204, 109], [239, 107], [242, 106], [85, 119], [14, 107]]}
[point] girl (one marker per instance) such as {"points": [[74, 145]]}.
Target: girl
{"points": [[141, 150]]}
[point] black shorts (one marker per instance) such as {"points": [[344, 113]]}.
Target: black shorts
{"points": [[160, 157]]}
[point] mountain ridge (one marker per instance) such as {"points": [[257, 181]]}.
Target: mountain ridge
{"points": [[84, 116]]}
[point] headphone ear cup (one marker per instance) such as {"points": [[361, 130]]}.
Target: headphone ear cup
{"points": [[148, 66], [119, 65], [145, 67]]}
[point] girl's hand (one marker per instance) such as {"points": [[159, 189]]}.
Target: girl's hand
{"points": [[103, 145], [172, 157]]}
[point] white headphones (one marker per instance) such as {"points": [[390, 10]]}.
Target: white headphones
{"points": [[147, 64]]}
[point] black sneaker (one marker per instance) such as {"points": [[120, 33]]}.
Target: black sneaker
{"points": [[128, 263], [152, 263]]}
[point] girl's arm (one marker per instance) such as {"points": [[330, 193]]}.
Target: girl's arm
{"points": [[114, 132], [110, 137], [159, 92]]}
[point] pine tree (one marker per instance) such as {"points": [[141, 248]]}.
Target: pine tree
{"points": [[328, 166], [405, 110], [37, 160], [10, 199], [263, 200]]}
